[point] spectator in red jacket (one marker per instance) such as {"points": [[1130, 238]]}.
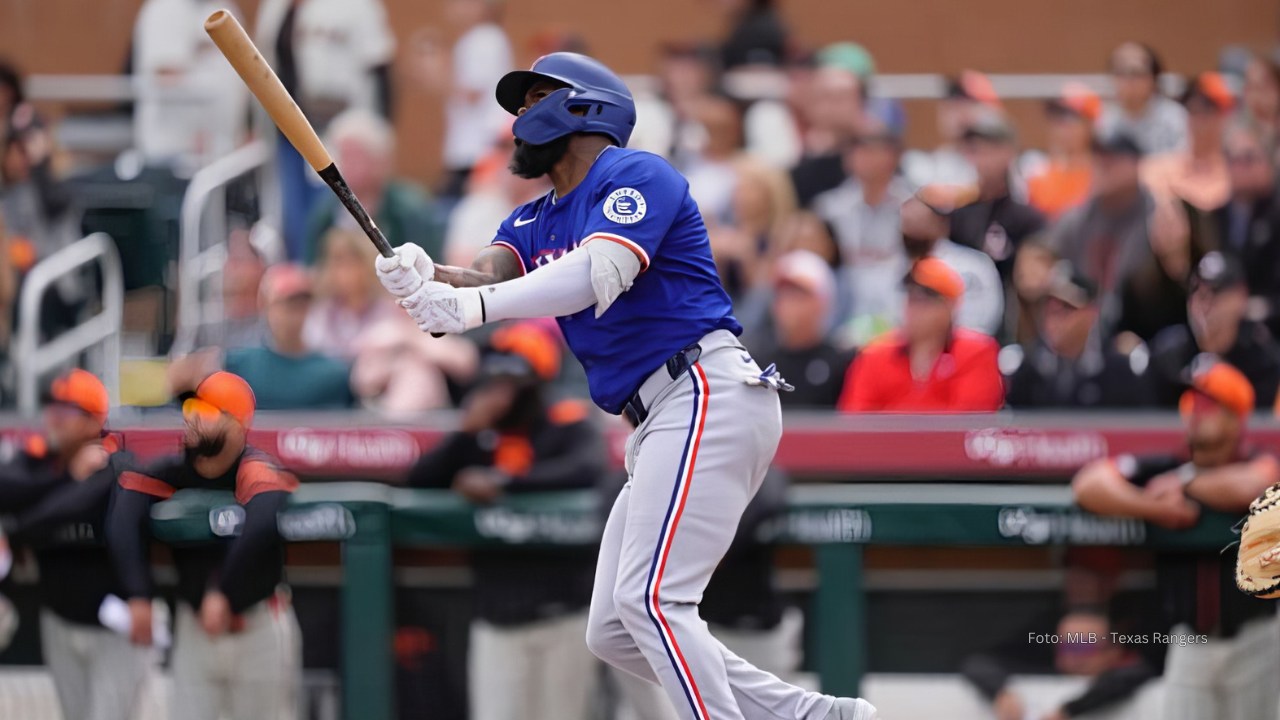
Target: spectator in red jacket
{"points": [[928, 365]]}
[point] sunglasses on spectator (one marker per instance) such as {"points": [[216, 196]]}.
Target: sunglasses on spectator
{"points": [[197, 409]]}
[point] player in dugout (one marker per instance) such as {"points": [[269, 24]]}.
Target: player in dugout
{"points": [[1223, 646], [527, 658], [618, 253], [53, 499], [237, 650]]}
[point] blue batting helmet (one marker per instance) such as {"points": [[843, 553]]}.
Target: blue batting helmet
{"points": [[586, 84]]}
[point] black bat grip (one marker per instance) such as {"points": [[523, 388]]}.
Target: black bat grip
{"points": [[334, 180]]}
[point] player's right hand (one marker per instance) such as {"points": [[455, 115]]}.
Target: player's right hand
{"points": [[403, 274], [140, 621]]}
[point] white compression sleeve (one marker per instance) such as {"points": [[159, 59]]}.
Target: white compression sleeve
{"points": [[559, 288]]}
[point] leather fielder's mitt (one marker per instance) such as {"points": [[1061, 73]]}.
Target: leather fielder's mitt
{"points": [[1258, 561]]}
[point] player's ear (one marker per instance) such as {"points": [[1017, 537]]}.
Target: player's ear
{"points": [[521, 111]]}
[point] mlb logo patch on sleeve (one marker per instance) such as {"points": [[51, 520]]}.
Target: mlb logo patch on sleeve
{"points": [[625, 206]]}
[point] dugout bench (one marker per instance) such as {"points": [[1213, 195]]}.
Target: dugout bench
{"points": [[836, 520]]}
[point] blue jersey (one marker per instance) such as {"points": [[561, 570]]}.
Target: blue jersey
{"points": [[638, 200]]}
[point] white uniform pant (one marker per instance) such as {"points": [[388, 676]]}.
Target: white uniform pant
{"points": [[253, 674], [1231, 679], [777, 651], [537, 671], [694, 464], [98, 674]]}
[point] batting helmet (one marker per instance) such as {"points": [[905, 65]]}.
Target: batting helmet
{"points": [[605, 103]]}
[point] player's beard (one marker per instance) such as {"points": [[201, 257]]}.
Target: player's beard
{"points": [[206, 446], [533, 161]]}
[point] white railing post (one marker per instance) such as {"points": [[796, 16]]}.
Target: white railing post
{"points": [[34, 358], [196, 264]]}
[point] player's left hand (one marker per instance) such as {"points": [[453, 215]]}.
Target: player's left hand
{"points": [[404, 273], [215, 613], [439, 308]]}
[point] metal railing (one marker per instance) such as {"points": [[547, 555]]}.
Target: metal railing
{"points": [[197, 264], [32, 357]]}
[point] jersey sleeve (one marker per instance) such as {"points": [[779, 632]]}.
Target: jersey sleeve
{"points": [[637, 204], [508, 238]]}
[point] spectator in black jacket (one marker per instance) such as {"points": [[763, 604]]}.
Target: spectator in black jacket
{"points": [[1216, 324], [796, 338], [53, 499], [1247, 227], [237, 649], [1072, 363], [527, 657], [996, 222]]}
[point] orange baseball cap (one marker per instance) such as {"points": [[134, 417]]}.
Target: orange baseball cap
{"points": [[532, 344], [1078, 99], [1220, 383], [1211, 86], [937, 277], [81, 389], [223, 392]]}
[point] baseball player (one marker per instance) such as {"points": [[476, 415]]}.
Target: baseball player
{"points": [[618, 253], [53, 498], [237, 653]]}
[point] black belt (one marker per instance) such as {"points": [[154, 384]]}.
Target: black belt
{"points": [[677, 365]]}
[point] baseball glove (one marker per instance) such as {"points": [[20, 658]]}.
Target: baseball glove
{"points": [[1258, 561]]}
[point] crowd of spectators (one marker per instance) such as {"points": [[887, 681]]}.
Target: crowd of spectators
{"points": [[1089, 271]]}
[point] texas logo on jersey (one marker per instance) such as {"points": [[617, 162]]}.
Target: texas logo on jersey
{"points": [[635, 199]]}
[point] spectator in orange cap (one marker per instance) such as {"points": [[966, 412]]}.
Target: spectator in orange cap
{"points": [[54, 495], [527, 658], [1064, 181], [1196, 174], [1157, 123], [237, 649], [926, 229], [928, 365], [1228, 672]]}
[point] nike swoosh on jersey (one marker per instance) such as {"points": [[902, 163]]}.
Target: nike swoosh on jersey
{"points": [[519, 222]]}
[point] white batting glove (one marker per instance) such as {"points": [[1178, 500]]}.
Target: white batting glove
{"points": [[440, 308], [403, 274]]}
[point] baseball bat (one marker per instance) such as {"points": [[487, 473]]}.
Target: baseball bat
{"points": [[230, 37]]}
